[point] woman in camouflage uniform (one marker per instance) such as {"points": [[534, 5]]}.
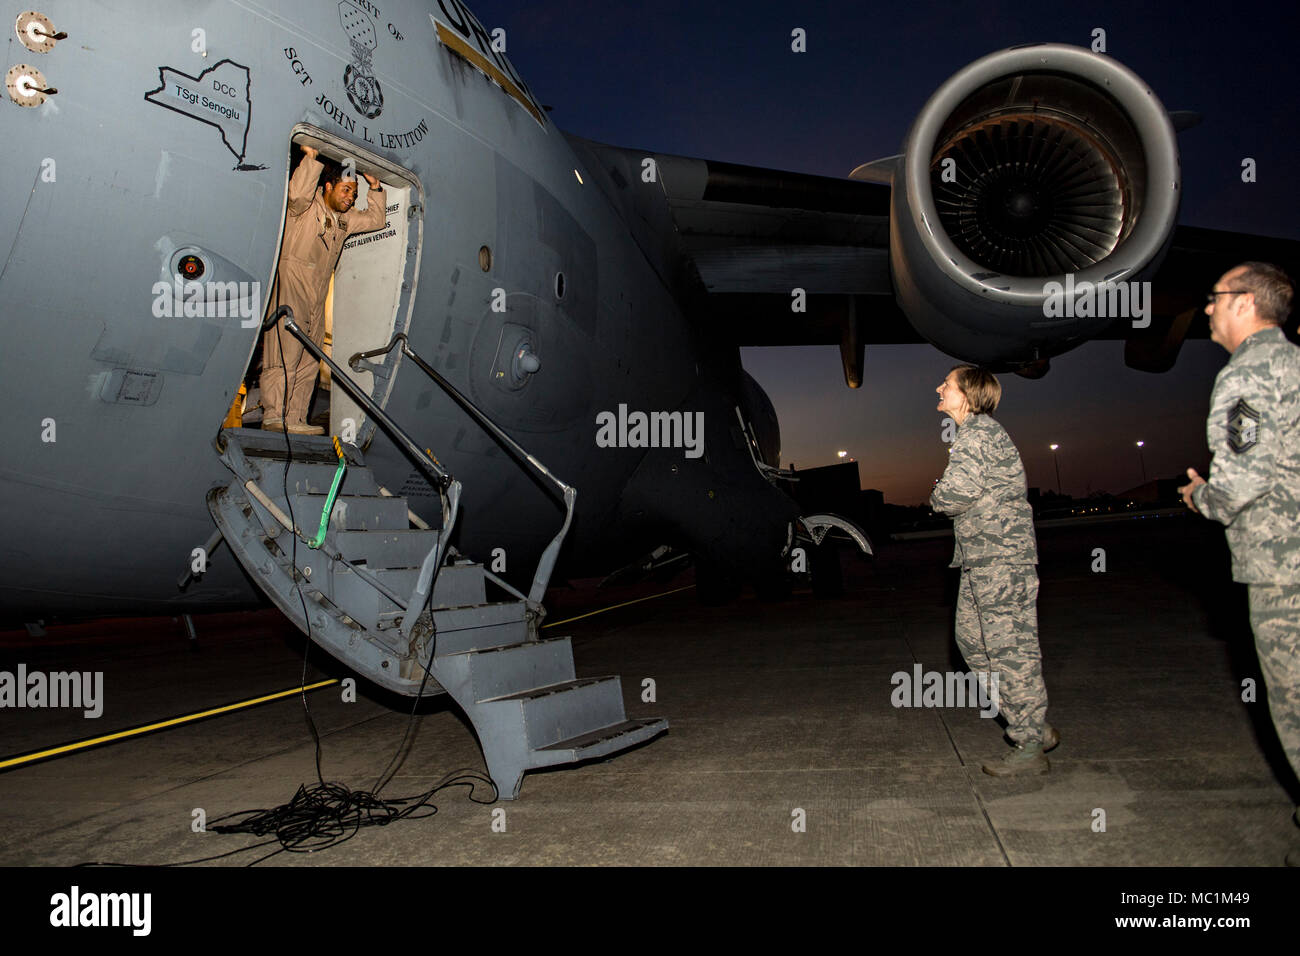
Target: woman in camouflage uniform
{"points": [[983, 489]]}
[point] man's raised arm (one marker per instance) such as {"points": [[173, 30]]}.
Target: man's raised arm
{"points": [[376, 211], [302, 184]]}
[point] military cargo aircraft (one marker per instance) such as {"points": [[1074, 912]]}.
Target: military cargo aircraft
{"points": [[535, 360]]}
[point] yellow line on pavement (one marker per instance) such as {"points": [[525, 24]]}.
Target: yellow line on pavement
{"points": [[173, 722]]}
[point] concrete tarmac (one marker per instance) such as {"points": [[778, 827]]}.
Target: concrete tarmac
{"points": [[785, 747]]}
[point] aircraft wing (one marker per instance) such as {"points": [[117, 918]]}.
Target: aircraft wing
{"points": [[765, 257], [748, 239], [1196, 258]]}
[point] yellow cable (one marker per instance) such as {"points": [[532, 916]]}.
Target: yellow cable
{"points": [[176, 721], [134, 731], [616, 606]]}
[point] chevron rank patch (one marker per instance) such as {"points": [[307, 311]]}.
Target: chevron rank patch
{"points": [[1243, 427]]}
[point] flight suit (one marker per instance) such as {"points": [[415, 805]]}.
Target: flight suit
{"points": [[1254, 490], [984, 490], [313, 240]]}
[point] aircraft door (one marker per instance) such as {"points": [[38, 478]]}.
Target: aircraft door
{"points": [[372, 291], [369, 297]]}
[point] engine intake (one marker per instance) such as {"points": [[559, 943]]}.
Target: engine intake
{"points": [[1026, 166]]}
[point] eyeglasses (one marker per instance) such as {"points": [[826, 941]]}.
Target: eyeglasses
{"points": [[1209, 296]]}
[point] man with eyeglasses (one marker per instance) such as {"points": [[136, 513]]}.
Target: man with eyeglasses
{"points": [[1254, 487]]}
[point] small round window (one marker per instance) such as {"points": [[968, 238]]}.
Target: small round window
{"points": [[559, 285], [485, 258]]}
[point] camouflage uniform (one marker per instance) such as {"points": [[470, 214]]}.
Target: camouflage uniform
{"points": [[1254, 489], [983, 488], [313, 241]]}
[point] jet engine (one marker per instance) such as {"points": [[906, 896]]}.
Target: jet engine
{"points": [[1038, 187]]}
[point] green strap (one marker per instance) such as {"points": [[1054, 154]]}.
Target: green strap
{"points": [[329, 500]]}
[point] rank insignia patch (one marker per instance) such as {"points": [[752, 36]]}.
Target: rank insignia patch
{"points": [[1243, 427]]}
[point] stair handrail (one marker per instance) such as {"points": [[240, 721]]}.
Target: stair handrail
{"points": [[422, 458], [546, 564], [448, 487]]}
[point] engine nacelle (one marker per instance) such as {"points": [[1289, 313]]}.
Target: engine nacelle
{"points": [[1030, 177]]}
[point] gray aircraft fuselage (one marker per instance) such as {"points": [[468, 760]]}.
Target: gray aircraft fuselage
{"points": [[170, 133]]}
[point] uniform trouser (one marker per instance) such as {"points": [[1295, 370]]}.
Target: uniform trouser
{"points": [[1275, 619], [280, 351], [997, 632]]}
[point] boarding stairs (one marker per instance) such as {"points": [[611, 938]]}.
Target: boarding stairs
{"points": [[384, 592]]}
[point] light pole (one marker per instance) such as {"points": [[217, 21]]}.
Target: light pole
{"points": [[1142, 462], [1057, 463]]}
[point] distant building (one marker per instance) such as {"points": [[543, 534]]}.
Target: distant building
{"points": [[1160, 492], [1047, 503]]}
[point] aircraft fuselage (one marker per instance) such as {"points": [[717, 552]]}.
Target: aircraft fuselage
{"points": [[168, 138]]}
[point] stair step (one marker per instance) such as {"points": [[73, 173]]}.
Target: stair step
{"points": [[500, 624], [561, 711], [400, 581], [519, 693], [458, 585], [496, 624], [256, 443], [501, 671], [386, 549], [313, 478], [601, 742], [479, 615], [352, 512], [349, 591]]}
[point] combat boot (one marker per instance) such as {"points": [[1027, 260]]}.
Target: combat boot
{"points": [[1025, 758], [1050, 738]]}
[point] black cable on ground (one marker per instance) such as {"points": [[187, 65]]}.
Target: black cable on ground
{"points": [[322, 816]]}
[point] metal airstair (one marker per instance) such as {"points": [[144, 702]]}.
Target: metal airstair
{"points": [[384, 592]]}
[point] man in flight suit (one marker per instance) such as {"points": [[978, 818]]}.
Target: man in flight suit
{"points": [[315, 230], [1254, 488]]}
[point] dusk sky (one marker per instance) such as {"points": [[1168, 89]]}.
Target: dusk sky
{"points": [[719, 81]]}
